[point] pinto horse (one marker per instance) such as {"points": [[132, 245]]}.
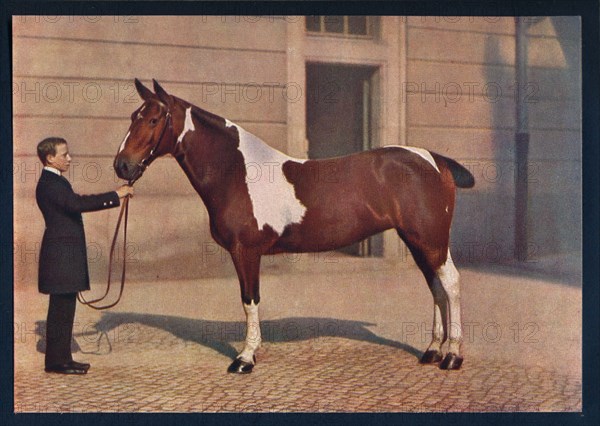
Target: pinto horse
{"points": [[296, 205]]}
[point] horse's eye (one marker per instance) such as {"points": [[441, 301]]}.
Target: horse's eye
{"points": [[153, 121]]}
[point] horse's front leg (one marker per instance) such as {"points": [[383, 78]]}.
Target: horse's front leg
{"points": [[247, 265]]}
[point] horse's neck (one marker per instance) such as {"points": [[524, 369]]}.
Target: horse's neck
{"points": [[212, 164], [215, 160]]}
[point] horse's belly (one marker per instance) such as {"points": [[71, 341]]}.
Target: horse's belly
{"points": [[314, 235]]}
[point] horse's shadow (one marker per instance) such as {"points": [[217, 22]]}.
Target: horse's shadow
{"points": [[218, 335]]}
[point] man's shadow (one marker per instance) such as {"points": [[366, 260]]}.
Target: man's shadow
{"points": [[40, 332], [218, 335]]}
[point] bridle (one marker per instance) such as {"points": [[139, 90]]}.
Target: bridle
{"points": [[124, 213], [143, 165]]}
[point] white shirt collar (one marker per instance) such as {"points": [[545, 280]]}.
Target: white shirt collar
{"points": [[53, 170]]}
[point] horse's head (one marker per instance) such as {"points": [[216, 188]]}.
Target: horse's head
{"points": [[150, 134]]}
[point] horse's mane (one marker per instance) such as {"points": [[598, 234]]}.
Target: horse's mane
{"points": [[213, 120], [219, 124]]}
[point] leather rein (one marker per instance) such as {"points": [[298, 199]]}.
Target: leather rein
{"points": [[124, 213]]}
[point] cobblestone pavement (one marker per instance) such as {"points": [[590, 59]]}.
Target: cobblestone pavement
{"points": [[326, 348]]}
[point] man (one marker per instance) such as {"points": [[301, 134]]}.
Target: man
{"points": [[63, 269]]}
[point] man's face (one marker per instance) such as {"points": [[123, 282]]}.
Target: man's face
{"points": [[62, 159]]}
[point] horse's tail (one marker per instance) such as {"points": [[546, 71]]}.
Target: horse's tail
{"points": [[462, 177]]}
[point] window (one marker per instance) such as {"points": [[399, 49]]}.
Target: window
{"points": [[360, 26]]}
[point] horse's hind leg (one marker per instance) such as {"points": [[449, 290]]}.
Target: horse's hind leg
{"points": [[443, 280], [449, 278], [433, 354]]}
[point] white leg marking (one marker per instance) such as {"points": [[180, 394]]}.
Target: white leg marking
{"points": [[423, 153], [440, 313], [122, 147], [188, 126], [253, 338], [450, 279], [274, 201]]}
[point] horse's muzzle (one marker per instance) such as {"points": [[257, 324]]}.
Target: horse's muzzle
{"points": [[127, 170]]}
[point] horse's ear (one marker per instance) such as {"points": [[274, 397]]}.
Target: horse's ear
{"points": [[143, 91], [162, 94]]}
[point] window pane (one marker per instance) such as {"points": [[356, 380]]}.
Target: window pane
{"points": [[313, 23], [334, 24], [357, 25]]}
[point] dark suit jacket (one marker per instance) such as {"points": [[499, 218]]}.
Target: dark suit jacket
{"points": [[63, 257]]}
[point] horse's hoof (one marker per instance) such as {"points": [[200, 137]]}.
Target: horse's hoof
{"points": [[431, 357], [451, 362], [240, 366]]}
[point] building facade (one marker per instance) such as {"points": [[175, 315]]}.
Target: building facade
{"points": [[310, 87]]}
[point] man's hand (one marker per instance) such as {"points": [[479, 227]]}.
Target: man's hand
{"points": [[124, 191]]}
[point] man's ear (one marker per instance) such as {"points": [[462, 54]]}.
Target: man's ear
{"points": [[47, 163], [162, 94], [143, 91]]}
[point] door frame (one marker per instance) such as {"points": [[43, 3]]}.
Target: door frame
{"points": [[387, 52], [367, 105]]}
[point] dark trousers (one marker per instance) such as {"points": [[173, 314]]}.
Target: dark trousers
{"points": [[59, 328]]}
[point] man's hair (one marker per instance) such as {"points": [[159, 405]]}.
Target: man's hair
{"points": [[48, 147]]}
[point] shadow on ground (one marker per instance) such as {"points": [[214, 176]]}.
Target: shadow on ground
{"points": [[218, 335]]}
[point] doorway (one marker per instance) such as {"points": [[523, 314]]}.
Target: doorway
{"points": [[342, 112]]}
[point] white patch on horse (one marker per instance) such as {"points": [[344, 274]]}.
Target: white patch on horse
{"points": [[188, 126], [122, 147], [274, 201], [253, 336], [423, 153]]}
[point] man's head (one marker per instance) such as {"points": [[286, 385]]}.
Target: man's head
{"points": [[54, 152]]}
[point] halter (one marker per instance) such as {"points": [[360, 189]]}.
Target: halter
{"points": [[146, 161]]}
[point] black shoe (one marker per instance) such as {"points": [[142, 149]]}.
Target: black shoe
{"points": [[80, 365], [65, 369]]}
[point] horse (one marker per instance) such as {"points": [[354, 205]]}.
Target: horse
{"points": [[261, 201]]}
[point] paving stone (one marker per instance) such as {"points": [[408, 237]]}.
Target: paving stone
{"points": [[169, 363]]}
